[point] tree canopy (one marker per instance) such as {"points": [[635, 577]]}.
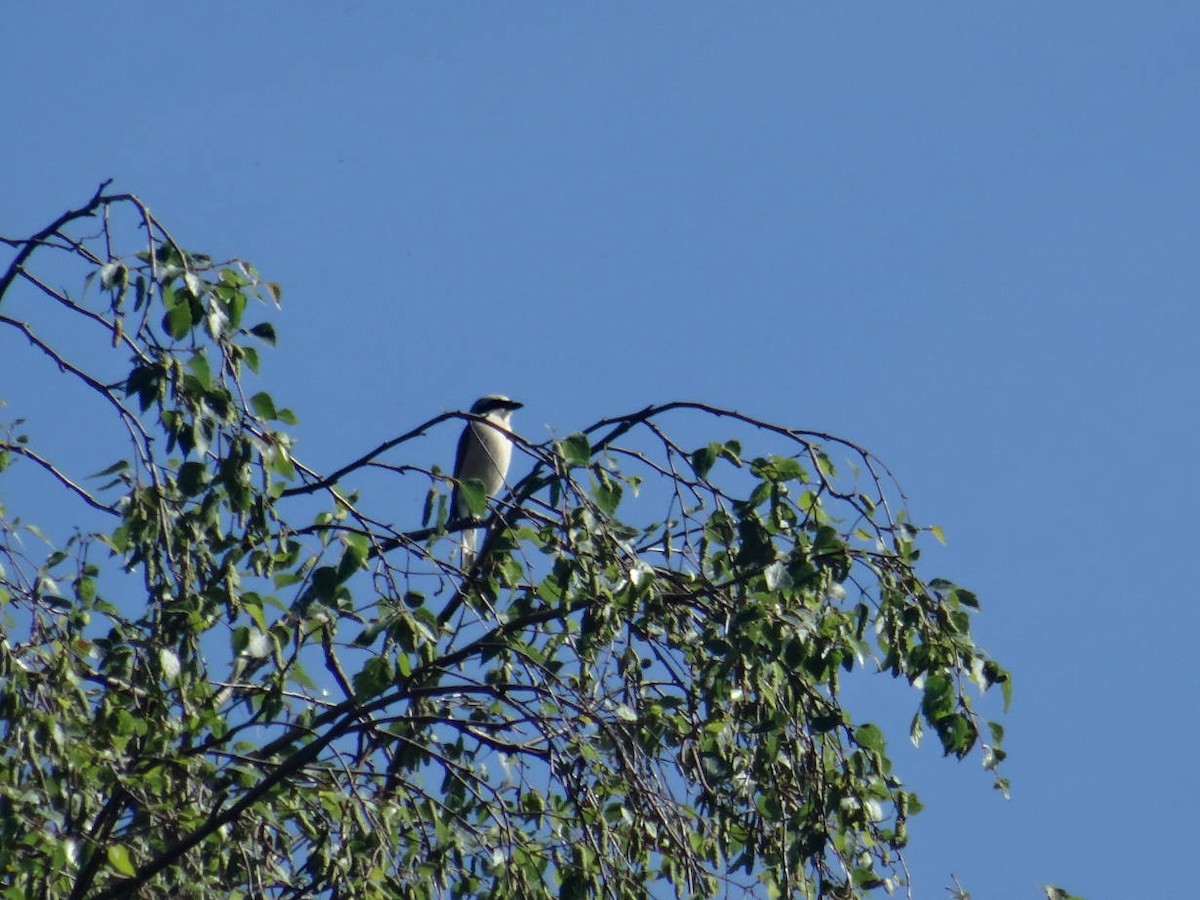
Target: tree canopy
{"points": [[240, 676]]}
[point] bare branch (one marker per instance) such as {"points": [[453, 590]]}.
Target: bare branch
{"points": [[62, 479]]}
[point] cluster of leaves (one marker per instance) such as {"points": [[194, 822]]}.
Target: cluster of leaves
{"points": [[638, 682]]}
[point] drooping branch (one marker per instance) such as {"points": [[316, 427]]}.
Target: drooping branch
{"points": [[22, 450], [29, 245], [616, 694]]}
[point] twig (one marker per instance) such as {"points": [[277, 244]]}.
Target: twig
{"points": [[60, 477]]}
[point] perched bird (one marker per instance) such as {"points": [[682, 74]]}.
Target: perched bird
{"points": [[483, 454]]}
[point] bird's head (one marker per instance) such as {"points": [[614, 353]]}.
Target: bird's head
{"points": [[495, 406]]}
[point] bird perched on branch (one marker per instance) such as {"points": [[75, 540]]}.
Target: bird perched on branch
{"points": [[483, 455]]}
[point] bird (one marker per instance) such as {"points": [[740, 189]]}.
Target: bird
{"points": [[484, 454]]}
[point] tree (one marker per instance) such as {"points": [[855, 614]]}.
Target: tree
{"points": [[237, 678]]}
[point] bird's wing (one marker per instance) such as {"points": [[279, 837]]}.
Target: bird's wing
{"points": [[459, 454]]}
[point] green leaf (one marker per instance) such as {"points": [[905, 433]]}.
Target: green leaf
{"points": [[351, 561], [510, 571], [376, 675], [869, 737], [250, 355], [825, 464], [866, 878], [475, 495], [403, 664], [118, 858], [993, 674], [192, 478], [281, 463], [702, 460], [253, 604], [85, 589], [371, 633], [265, 332], [778, 468], [576, 449], [607, 493], [198, 366], [821, 724], [325, 581], [957, 734], [359, 543], [119, 466], [263, 405], [178, 321], [235, 306], [757, 549], [297, 674], [938, 699], [788, 469]]}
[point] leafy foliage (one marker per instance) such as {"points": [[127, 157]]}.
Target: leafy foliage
{"points": [[241, 681]]}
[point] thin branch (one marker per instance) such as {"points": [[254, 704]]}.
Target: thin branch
{"points": [[60, 477], [330, 480], [85, 211], [109, 326]]}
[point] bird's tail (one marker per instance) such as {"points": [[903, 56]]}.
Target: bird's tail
{"points": [[468, 542]]}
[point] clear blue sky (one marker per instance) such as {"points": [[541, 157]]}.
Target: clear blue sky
{"points": [[965, 235]]}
